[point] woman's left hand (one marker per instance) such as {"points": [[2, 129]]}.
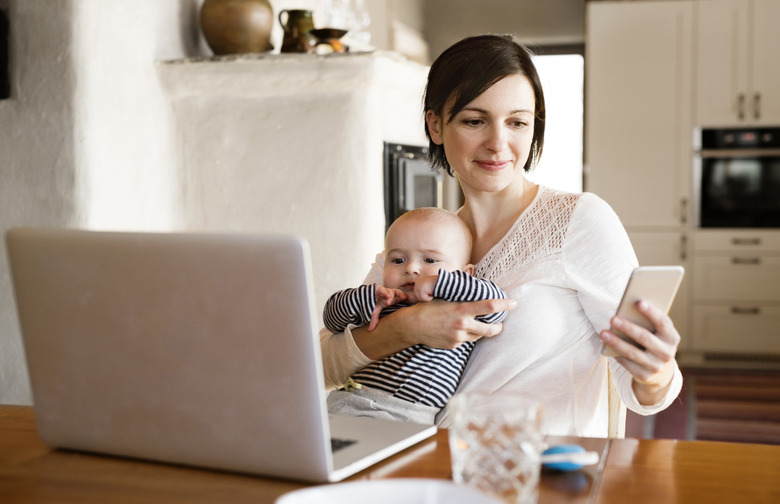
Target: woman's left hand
{"points": [[652, 368]]}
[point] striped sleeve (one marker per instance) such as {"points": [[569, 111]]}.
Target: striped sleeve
{"points": [[349, 306], [459, 286]]}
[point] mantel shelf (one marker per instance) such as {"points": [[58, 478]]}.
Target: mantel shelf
{"points": [[262, 74]]}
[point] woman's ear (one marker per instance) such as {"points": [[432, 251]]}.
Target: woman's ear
{"points": [[434, 127]]}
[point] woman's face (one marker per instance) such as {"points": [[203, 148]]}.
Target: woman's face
{"points": [[489, 141]]}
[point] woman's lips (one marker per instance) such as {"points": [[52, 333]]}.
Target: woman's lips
{"points": [[492, 165]]}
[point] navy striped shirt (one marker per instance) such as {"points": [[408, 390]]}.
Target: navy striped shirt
{"points": [[418, 374]]}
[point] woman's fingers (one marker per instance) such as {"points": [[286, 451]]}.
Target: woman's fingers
{"points": [[664, 328], [487, 306], [662, 343], [471, 310], [652, 365], [451, 324]]}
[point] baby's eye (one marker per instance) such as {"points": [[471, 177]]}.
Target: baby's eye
{"points": [[397, 260], [430, 260]]}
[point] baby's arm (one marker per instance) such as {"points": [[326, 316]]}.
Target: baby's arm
{"points": [[349, 306], [359, 306], [461, 286], [385, 297]]}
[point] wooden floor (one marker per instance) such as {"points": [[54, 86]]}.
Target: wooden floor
{"points": [[718, 405]]}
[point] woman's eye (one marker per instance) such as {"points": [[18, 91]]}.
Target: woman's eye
{"points": [[518, 124], [472, 122]]}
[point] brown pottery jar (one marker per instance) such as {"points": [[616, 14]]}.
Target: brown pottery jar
{"points": [[237, 26]]}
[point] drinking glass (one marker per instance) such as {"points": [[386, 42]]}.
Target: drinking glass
{"points": [[496, 445]]}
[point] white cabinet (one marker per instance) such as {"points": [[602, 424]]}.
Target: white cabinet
{"points": [[654, 70], [736, 292], [738, 75], [722, 329], [638, 98]]}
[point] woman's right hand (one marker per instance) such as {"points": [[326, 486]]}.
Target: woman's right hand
{"points": [[437, 324]]}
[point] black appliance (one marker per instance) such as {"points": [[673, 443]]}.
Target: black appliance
{"points": [[409, 180], [738, 177]]}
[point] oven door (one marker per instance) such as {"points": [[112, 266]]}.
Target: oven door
{"points": [[739, 189], [409, 181]]}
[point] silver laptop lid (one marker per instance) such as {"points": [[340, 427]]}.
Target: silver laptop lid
{"points": [[185, 348]]}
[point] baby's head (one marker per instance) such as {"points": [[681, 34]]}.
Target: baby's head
{"points": [[422, 241]]}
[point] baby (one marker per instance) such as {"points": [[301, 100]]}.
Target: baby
{"points": [[427, 253]]}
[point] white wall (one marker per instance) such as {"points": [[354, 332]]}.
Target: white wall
{"points": [[37, 179], [84, 140], [294, 143], [90, 138]]}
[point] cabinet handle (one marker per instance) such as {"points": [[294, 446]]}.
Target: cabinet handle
{"points": [[683, 210], [745, 260], [757, 106], [683, 247], [741, 107], [746, 241], [736, 310]]}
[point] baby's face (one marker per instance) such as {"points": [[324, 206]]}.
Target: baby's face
{"points": [[421, 248]]}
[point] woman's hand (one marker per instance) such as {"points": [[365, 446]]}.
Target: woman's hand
{"points": [[653, 367], [437, 324]]}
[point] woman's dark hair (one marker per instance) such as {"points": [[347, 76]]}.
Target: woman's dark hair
{"points": [[466, 70]]}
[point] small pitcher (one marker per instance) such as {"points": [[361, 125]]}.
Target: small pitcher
{"points": [[297, 24]]}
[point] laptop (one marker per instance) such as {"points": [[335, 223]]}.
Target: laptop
{"points": [[195, 349]]}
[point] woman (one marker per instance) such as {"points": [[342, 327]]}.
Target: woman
{"points": [[564, 258]]}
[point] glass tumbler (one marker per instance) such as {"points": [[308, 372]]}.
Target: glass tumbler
{"points": [[496, 446]]}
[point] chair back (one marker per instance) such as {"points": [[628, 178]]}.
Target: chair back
{"points": [[617, 411]]}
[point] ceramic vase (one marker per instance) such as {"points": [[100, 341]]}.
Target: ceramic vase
{"points": [[237, 26]]}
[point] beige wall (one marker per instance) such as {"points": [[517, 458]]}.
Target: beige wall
{"points": [[533, 21]]}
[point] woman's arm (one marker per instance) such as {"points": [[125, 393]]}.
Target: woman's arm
{"points": [[654, 368], [437, 324], [600, 259]]}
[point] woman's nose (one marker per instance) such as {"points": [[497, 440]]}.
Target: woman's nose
{"points": [[496, 138]]}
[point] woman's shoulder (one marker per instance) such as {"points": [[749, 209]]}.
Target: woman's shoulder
{"points": [[580, 204]]}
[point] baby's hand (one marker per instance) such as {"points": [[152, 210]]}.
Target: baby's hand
{"points": [[384, 297], [423, 288]]}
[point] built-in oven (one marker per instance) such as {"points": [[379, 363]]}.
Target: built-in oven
{"points": [[409, 180], [737, 177]]}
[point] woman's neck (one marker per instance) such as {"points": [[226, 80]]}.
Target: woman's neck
{"points": [[491, 215]]}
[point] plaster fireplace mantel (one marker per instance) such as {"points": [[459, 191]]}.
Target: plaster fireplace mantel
{"points": [[265, 72], [294, 144]]}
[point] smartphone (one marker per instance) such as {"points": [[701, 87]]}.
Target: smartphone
{"points": [[656, 285]]}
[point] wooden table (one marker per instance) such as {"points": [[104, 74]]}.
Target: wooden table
{"points": [[631, 471]]}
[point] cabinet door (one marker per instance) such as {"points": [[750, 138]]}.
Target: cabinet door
{"points": [[766, 62], [736, 329], [663, 249], [739, 277], [638, 88], [722, 58]]}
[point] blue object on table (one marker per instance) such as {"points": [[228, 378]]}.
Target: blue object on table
{"points": [[557, 460]]}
